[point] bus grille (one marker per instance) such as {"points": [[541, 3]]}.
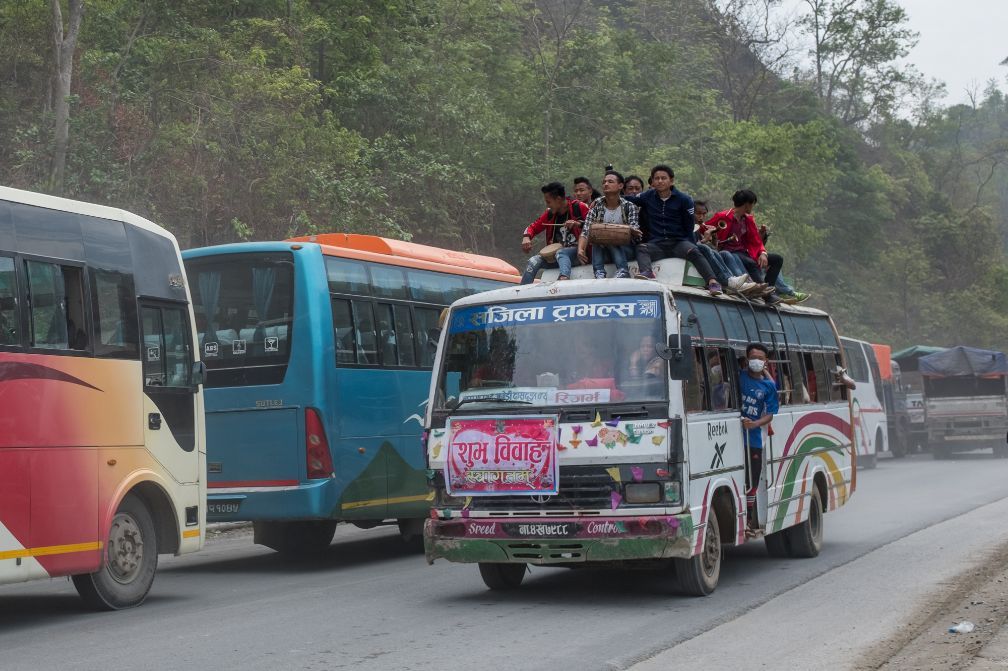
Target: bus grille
{"points": [[581, 487]]}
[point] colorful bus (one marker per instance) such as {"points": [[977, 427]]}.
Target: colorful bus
{"points": [[871, 433], [319, 352], [591, 422], [101, 414]]}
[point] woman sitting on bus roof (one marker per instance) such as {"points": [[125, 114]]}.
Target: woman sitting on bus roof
{"points": [[611, 208], [562, 223]]}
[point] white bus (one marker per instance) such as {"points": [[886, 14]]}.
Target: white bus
{"points": [[102, 456], [871, 434], [587, 421]]}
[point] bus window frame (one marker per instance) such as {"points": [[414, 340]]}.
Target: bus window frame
{"points": [[160, 304], [19, 302], [86, 307]]}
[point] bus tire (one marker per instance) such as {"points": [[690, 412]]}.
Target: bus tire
{"points": [[698, 575], [298, 539], [805, 539], [777, 545], [502, 577], [128, 563]]}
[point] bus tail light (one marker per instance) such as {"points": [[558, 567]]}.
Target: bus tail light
{"points": [[316, 446]]}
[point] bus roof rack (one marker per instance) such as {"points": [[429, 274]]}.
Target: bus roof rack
{"points": [[409, 250]]}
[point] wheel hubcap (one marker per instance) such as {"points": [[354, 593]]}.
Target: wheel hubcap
{"points": [[125, 548]]}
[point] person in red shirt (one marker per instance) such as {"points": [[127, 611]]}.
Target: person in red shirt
{"points": [[562, 222], [741, 238]]}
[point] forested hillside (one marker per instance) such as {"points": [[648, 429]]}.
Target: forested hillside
{"points": [[437, 120]]}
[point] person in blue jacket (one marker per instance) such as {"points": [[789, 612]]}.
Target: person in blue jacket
{"points": [[759, 405]]}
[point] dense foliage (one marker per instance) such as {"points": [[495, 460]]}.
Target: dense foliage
{"points": [[437, 120]]}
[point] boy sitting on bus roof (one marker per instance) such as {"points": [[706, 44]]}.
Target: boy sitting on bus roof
{"points": [[562, 223], [670, 223], [610, 208]]}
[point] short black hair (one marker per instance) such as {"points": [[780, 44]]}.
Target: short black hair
{"points": [[743, 197], [583, 180], [701, 203], [619, 177], [662, 167], [757, 345], [632, 177], [555, 189]]}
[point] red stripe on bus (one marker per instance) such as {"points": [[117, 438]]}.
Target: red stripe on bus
{"points": [[254, 483]]}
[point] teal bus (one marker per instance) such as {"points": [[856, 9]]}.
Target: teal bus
{"points": [[319, 353]]}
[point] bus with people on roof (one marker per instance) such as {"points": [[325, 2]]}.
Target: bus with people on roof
{"points": [[102, 455], [589, 422], [319, 351]]}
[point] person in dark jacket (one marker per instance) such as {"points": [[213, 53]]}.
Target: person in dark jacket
{"points": [[670, 225]]}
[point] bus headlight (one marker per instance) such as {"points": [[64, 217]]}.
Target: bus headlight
{"points": [[650, 492]]}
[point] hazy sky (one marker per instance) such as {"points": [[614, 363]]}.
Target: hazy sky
{"points": [[961, 42]]}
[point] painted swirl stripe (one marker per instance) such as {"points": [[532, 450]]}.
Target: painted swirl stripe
{"points": [[20, 370]]}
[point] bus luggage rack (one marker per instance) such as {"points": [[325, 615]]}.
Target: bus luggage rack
{"points": [[585, 489]]}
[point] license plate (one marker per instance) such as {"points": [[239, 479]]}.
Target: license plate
{"points": [[223, 507]]}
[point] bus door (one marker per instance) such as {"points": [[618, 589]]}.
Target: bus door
{"points": [[169, 395]]}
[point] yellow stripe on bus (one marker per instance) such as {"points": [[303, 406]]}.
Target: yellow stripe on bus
{"points": [[380, 502], [51, 550], [190, 533]]}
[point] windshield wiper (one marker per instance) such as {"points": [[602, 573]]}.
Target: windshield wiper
{"points": [[488, 400]]}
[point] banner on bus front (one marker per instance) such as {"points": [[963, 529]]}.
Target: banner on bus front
{"points": [[490, 456]]}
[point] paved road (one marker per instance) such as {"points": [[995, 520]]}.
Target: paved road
{"points": [[372, 604]]}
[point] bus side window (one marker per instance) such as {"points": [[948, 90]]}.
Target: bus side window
{"points": [[426, 323], [838, 392], [343, 331], [57, 306], [113, 301], [722, 391], [693, 389], [404, 335], [799, 390], [8, 303], [387, 344], [811, 379], [823, 376]]}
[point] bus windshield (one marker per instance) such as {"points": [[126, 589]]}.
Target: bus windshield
{"points": [[554, 353], [244, 305]]}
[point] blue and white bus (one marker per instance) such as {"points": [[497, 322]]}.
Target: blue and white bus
{"points": [[319, 353]]}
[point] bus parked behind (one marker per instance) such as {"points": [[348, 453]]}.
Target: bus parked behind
{"points": [[588, 422], [870, 425], [101, 418], [319, 352]]}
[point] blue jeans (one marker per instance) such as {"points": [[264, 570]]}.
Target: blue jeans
{"points": [[721, 270], [734, 263], [620, 255], [565, 260]]}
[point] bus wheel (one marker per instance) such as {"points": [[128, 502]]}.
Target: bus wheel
{"points": [[777, 545], [500, 577], [130, 560], [300, 539], [805, 539], [698, 575]]}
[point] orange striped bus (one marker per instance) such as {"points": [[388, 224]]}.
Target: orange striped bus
{"points": [[319, 353]]}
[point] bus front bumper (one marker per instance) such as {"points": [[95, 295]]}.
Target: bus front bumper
{"points": [[555, 540]]}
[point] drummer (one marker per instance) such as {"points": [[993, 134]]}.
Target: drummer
{"points": [[562, 222], [611, 208]]}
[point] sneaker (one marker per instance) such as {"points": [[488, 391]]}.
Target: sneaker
{"points": [[600, 274], [736, 283], [622, 274], [649, 275], [562, 277], [755, 289], [796, 297], [772, 299], [715, 289], [768, 290]]}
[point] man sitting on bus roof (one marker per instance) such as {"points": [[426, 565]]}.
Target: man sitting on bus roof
{"points": [[759, 405], [670, 223], [610, 208], [562, 223], [740, 238]]}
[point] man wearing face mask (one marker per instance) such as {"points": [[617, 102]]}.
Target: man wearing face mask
{"points": [[759, 405]]}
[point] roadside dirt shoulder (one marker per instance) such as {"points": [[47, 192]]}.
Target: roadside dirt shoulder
{"points": [[978, 595]]}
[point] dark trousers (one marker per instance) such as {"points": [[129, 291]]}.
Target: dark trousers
{"points": [[774, 264], [679, 249]]}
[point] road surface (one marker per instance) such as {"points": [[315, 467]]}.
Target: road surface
{"points": [[908, 534]]}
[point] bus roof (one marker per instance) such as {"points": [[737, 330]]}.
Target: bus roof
{"points": [[591, 287], [411, 254], [79, 207]]}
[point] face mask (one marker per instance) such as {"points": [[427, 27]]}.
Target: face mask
{"points": [[757, 365]]}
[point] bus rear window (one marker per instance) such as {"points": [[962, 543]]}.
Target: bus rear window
{"points": [[244, 308]]}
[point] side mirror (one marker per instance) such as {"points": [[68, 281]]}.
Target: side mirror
{"points": [[198, 373], [679, 354]]}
